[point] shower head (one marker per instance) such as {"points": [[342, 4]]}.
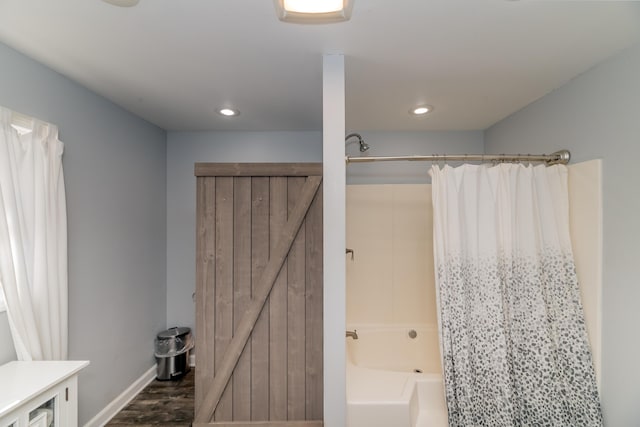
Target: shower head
{"points": [[363, 145]]}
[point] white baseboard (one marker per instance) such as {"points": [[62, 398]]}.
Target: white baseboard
{"points": [[192, 360], [116, 405]]}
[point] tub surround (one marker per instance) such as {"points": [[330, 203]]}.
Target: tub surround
{"points": [[390, 279], [392, 348], [391, 291]]}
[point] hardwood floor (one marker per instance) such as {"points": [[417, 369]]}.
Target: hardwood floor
{"points": [[161, 403]]}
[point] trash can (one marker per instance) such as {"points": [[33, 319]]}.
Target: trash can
{"points": [[172, 348]]}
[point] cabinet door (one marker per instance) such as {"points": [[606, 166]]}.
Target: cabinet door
{"points": [[9, 422], [45, 414], [14, 419], [56, 407]]}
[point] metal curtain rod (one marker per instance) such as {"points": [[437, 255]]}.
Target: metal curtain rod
{"points": [[559, 157]]}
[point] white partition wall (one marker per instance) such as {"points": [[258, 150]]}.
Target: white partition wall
{"points": [[333, 128]]}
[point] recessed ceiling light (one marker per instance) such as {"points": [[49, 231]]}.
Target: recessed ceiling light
{"points": [[421, 110], [314, 11], [228, 112], [311, 6]]}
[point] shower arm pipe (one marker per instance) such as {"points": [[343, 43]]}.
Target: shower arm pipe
{"points": [[559, 157]]}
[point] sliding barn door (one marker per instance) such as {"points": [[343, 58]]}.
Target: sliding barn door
{"points": [[259, 295]]}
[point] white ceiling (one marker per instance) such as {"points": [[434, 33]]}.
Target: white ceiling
{"points": [[173, 62]]}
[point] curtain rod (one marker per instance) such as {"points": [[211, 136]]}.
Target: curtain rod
{"points": [[559, 157]]}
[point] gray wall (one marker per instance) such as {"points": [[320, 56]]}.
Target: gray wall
{"points": [[183, 150], [397, 143], [115, 172], [7, 351], [597, 116]]}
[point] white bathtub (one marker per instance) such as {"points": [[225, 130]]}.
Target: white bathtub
{"points": [[394, 380]]}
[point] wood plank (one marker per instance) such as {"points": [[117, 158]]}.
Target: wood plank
{"points": [[296, 276], [314, 307], [224, 287], [265, 284], [257, 169], [278, 306], [201, 265], [309, 423], [205, 286], [260, 334], [242, 292]]}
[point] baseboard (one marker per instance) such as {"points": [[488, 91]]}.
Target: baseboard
{"points": [[116, 405], [192, 360]]}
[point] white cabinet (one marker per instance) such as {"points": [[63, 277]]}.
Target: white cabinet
{"points": [[39, 394]]}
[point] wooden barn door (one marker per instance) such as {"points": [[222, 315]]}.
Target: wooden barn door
{"points": [[259, 295]]}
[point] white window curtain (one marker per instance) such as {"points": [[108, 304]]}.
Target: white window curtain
{"points": [[33, 236], [514, 343]]}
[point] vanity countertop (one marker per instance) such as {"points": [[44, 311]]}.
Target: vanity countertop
{"points": [[22, 381]]}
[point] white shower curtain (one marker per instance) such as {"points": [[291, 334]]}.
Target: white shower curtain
{"points": [[33, 238], [513, 337]]}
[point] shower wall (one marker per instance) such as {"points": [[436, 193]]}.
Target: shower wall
{"points": [[585, 222], [390, 279]]}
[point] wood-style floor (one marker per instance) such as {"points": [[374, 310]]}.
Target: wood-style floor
{"points": [[161, 403]]}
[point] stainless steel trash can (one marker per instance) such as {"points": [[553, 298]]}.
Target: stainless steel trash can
{"points": [[172, 349]]}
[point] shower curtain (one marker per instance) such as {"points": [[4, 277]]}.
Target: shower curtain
{"points": [[513, 338]]}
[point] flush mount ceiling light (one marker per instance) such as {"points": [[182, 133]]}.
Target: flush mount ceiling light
{"points": [[314, 11], [122, 3], [228, 112], [421, 110]]}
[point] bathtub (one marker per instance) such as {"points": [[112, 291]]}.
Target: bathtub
{"points": [[394, 380]]}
